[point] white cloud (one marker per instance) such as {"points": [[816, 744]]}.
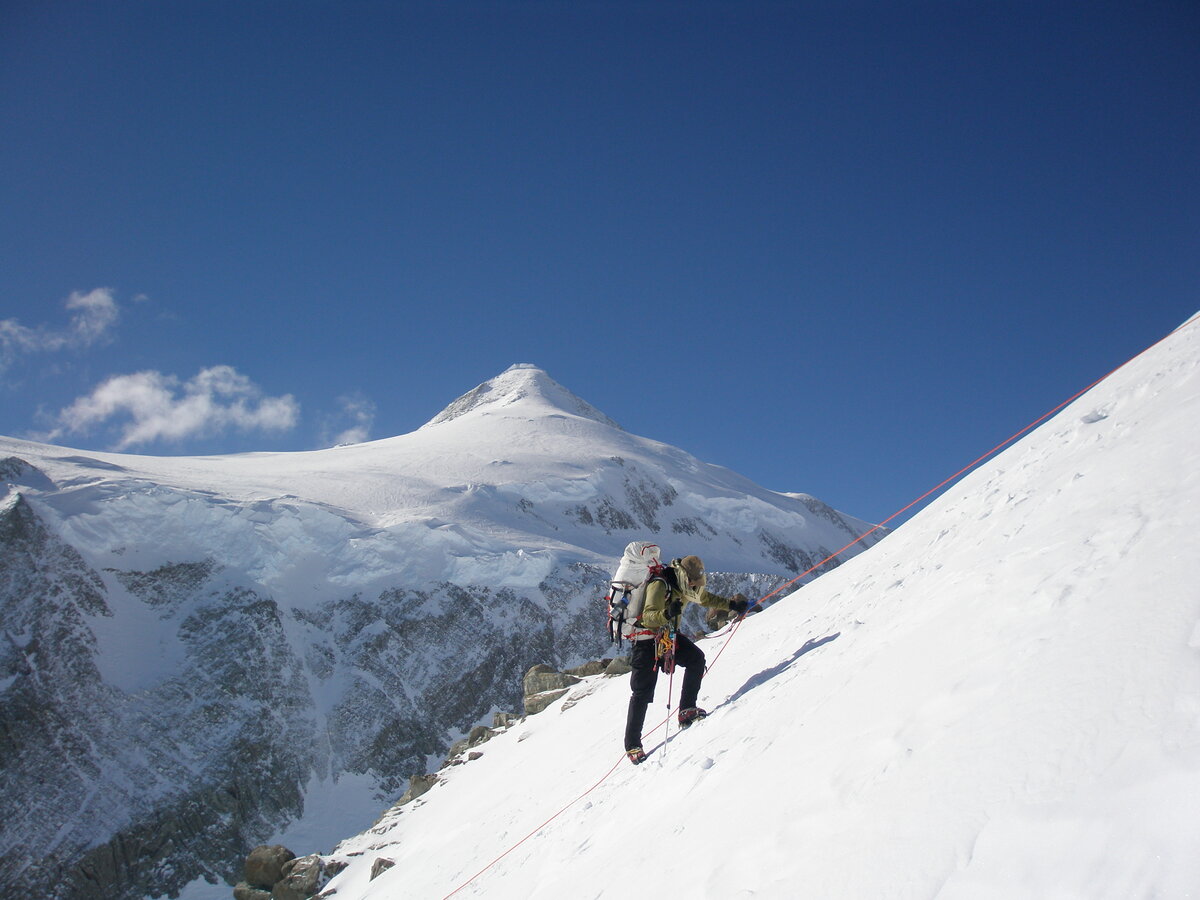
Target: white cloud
{"points": [[158, 407], [352, 423], [96, 312]]}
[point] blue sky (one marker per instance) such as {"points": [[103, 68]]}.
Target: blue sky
{"points": [[839, 247]]}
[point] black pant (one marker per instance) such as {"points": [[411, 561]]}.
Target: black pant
{"points": [[645, 675]]}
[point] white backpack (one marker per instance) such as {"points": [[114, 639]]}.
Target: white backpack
{"points": [[627, 591]]}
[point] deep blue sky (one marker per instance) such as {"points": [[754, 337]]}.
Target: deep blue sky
{"points": [[839, 247]]}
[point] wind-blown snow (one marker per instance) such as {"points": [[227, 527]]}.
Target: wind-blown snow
{"points": [[1001, 700]]}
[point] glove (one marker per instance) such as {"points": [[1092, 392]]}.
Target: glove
{"points": [[674, 608], [739, 604]]}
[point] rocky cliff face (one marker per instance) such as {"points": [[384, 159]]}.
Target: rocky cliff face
{"points": [[117, 794], [108, 792], [186, 644]]}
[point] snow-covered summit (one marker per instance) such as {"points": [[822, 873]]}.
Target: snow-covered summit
{"points": [[518, 471], [525, 384]]}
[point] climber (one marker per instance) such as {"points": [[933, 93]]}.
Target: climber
{"points": [[658, 644]]}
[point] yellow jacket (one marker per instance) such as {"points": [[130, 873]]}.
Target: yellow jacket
{"points": [[672, 585]]}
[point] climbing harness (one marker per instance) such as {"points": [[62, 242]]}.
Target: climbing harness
{"points": [[664, 651]]}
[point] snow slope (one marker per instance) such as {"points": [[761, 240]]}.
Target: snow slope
{"points": [[1002, 700]]}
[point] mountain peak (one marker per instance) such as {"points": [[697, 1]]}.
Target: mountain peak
{"points": [[525, 384]]}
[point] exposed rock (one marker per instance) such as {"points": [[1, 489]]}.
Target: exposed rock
{"points": [[170, 584], [612, 518], [543, 685], [245, 891], [454, 756], [504, 720], [264, 865], [335, 867], [619, 666], [381, 865], [595, 667], [479, 734], [301, 879], [543, 678], [538, 702], [417, 785]]}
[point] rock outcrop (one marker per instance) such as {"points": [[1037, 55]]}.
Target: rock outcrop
{"points": [[275, 873]]}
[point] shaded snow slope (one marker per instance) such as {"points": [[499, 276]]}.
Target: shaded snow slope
{"points": [[1001, 700]]}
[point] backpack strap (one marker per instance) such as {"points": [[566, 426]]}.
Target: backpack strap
{"points": [[667, 576]]}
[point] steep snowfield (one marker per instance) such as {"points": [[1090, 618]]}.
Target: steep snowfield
{"points": [[1002, 700]]}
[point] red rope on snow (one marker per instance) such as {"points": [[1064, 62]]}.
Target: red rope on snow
{"points": [[539, 828]]}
